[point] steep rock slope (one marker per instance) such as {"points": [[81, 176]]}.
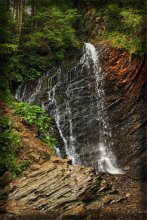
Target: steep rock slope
{"points": [[70, 95], [125, 84]]}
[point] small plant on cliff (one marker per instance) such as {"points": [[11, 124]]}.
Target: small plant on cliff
{"points": [[9, 144], [34, 115]]}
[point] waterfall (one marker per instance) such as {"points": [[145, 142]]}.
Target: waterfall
{"points": [[52, 100], [72, 139], [76, 99], [107, 160], [69, 149]]}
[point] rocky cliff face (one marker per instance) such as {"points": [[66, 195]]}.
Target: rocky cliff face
{"points": [[125, 91], [72, 96]]}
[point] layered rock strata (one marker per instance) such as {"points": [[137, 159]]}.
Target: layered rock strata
{"points": [[69, 95]]}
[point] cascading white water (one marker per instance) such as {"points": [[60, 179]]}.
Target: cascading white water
{"points": [[25, 93], [68, 148], [76, 100], [18, 94], [72, 139], [37, 90], [107, 160]]}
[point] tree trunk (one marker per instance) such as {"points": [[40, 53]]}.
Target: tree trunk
{"points": [[20, 14]]}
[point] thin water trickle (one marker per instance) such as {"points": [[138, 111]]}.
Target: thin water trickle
{"points": [[37, 90], [52, 100], [72, 138]]}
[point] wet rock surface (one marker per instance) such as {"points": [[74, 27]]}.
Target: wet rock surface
{"points": [[125, 86], [70, 97]]}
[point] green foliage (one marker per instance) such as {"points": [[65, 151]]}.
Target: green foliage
{"points": [[24, 164], [8, 45], [124, 28], [132, 19], [47, 42], [35, 116], [9, 144], [137, 4], [46, 34], [131, 43], [5, 94], [124, 23], [127, 31]]}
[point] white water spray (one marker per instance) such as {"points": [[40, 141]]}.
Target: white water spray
{"points": [[107, 160], [82, 76], [52, 100], [72, 138]]}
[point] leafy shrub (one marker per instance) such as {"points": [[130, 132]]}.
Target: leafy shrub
{"points": [[132, 19], [128, 32], [5, 94], [36, 116], [9, 144], [121, 40], [123, 23]]}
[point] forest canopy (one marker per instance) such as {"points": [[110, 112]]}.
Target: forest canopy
{"points": [[37, 34]]}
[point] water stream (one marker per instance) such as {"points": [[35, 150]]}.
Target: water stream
{"points": [[76, 100], [107, 160]]}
